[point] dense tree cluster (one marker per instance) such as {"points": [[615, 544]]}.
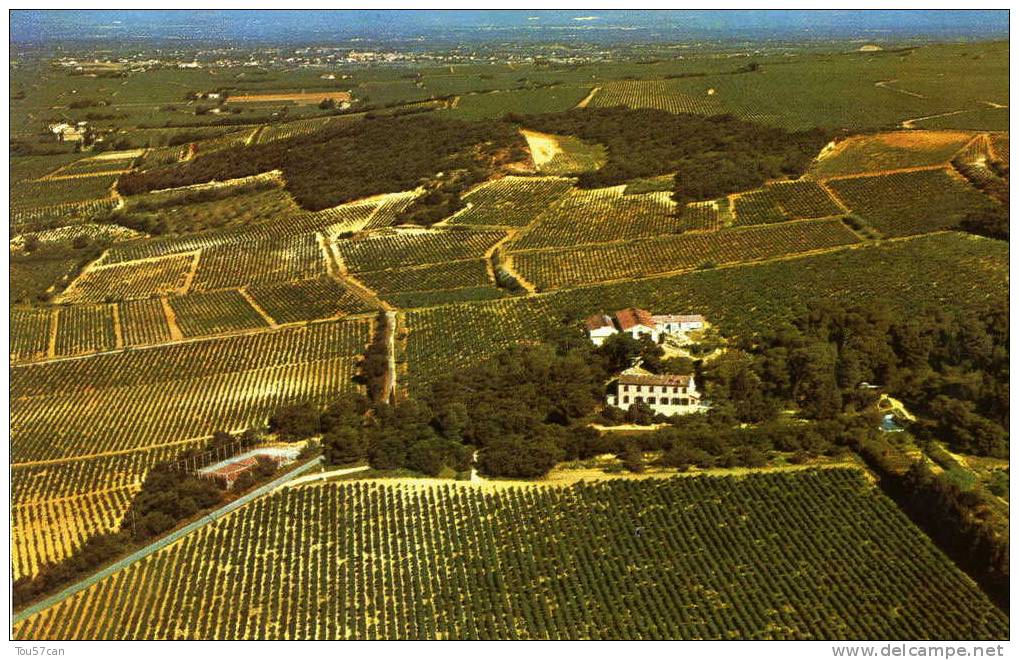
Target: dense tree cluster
{"points": [[351, 161], [991, 222], [710, 156], [951, 369]]}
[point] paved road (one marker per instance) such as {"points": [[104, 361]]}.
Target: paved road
{"points": [[162, 543]]}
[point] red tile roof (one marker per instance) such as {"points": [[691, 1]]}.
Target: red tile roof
{"points": [[596, 321], [631, 316]]}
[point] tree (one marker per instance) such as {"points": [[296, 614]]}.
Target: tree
{"points": [[519, 456], [296, 422], [343, 445]]}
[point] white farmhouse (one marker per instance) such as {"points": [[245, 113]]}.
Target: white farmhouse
{"points": [[667, 394], [636, 323], [599, 328], [674, 324]]}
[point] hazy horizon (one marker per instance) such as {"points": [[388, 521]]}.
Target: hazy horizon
{"points": [[42, 26]]}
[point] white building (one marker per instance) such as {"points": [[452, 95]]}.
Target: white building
{"points": [[599, 328], [667, 394], [673, 324], [637, 323]]}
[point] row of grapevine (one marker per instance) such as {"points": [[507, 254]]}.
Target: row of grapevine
{"points": [[559, 268], [50, 530], [319, 298], [129, 280], [450, 275], [256, 262], [686, 558], [215, 312], [601, 215], [413, 247], [777, 202], [84, 329], [971, 274], [656, 94], [906, 203], [511, 201], [189, 360]]}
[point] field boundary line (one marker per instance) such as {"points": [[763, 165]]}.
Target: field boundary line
{"points": [[51, 344], [171, 320], [161, 543], [118, 332], [831, 193], [899, 170], [190, 277], [258, 308], [107, 454]]}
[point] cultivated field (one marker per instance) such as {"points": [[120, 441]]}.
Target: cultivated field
{"points": [[564, 267], [952, 271], [907, 203], [371, 561], [172, 393]]}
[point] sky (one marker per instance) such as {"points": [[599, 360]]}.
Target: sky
{"points": [[32, 26]]}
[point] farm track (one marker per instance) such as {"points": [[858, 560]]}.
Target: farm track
{"points": [[107, 454], [587, 99], [911, 123], [83, 175], [337, 269], [258, 308]]}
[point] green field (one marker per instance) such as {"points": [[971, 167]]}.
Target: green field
{"points": [[801, 555]]}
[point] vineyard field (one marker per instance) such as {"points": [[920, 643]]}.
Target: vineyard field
{"points": [[308, 300], [719, 558], [657, 94], [214, 312], [451, 275], [511, 201], [409, 248], [565, 267], [601, 215], [890, 151], [793, 200], [32, 194], [946, 271], [908, 203], [126, 281], [412, 299], [30, 332], [143, 322], [139, 399], [999, 147], [84, 329], [259, 262], [50, 530]]}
